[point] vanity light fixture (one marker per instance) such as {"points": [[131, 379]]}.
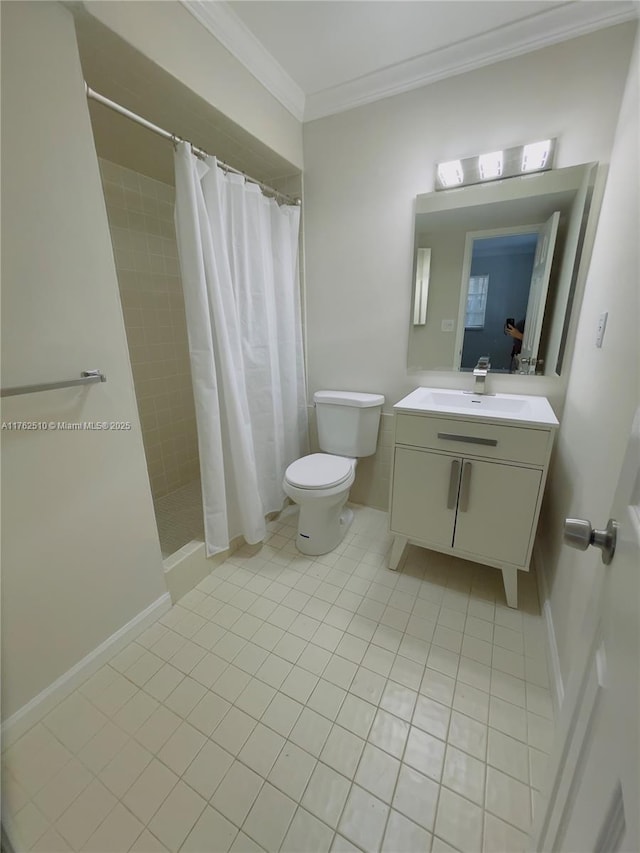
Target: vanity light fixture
{"points": [[495, 165], [535, 155], [451, 174], [490, 165]]}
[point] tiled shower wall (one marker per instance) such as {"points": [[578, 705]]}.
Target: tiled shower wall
{"points": [[141, 221], [140, 214]]}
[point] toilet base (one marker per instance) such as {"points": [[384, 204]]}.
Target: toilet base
{"points": [[346, 518], [321, 529]]}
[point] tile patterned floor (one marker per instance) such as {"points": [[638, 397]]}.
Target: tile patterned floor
{"points": [[300, 704]]}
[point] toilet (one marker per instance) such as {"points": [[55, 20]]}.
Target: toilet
{"points": [[319, 483]]}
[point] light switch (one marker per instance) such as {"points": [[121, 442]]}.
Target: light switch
{"points": [[602, 325], [448, 325]]}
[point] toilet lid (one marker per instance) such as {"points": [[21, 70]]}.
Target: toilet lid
{"points": [[319, 471]]}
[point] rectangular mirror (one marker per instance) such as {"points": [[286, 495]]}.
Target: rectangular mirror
{"points": [[498, 252]]}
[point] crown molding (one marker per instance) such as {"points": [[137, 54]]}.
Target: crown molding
{"points": [[542, 30], [219, 19], [552, 26]]}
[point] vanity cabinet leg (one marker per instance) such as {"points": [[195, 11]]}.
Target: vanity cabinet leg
{"points": [[397, 550], [510, 580]]}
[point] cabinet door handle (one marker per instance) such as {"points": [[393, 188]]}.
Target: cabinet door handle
{"points": [[464, 487], [470, 439], [453, 483]]}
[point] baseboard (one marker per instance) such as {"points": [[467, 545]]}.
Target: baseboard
{"points": [[31, 713], [553, 658], [187, 567], [184, 569]]}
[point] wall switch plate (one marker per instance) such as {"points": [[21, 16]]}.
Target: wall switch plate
{"points": [[448, 325], [602, 325]]}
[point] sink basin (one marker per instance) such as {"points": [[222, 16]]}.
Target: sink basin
{"points": [[519, 408], [472, 401]]}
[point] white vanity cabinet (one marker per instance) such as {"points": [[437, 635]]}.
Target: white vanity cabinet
{"points": [[470, 488]]}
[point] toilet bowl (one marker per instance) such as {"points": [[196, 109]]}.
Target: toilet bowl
{"points": [[319, 483]]}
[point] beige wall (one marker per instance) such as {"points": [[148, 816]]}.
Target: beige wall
{"points": [[140, 212], [428, 344], [373, 473], [170, 36], [80, 553], [603, 390], [364, 168]]}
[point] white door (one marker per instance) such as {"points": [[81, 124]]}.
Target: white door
{"points": [[539, 286], [593, 796]]}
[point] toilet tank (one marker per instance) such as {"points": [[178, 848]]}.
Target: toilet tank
{"points": [[348, 422]]}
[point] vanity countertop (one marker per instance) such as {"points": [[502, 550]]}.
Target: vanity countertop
{"points": [[520, 409]]}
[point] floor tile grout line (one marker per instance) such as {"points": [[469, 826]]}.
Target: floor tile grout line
{"points": [[129, 734], [395, 788], [333, 722], [145, 826], [386, 676], [318, 760], [437, 806], [156, 756]]}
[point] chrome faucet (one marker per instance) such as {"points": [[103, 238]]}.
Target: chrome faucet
{"points": [[480, 372]]}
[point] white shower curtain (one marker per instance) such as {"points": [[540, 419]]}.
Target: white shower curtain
{"points": [[239, 261]]}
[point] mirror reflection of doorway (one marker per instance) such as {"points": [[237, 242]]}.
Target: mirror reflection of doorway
{"points": [[499, 281], [504, 265]]}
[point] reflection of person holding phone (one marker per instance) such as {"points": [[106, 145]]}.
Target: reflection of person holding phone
{"points": [[515, 331]]}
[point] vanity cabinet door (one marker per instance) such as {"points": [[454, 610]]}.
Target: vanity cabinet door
{"points": [[425, 493], [496, 509]]}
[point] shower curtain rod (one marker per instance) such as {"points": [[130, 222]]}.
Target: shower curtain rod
{"points": [[199, 152]]}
